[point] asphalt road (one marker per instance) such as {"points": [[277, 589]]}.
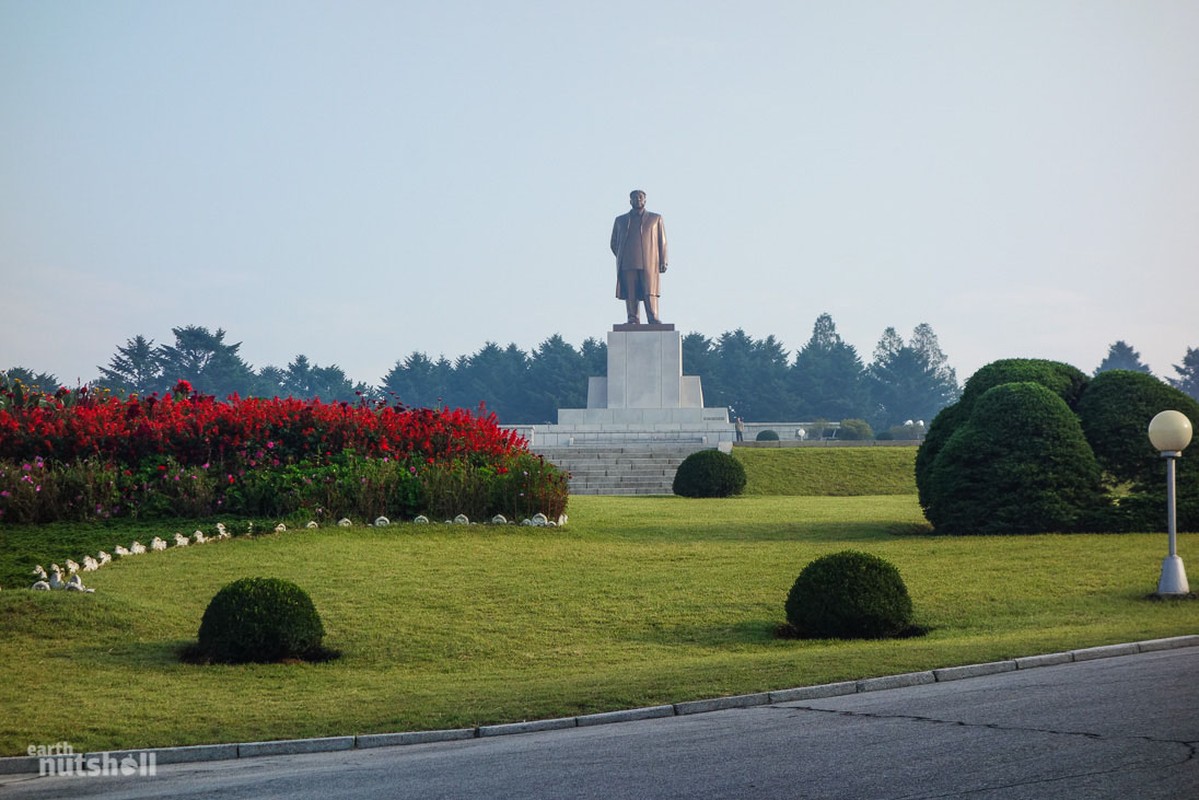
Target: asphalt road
{"points": [[1124, 727]]}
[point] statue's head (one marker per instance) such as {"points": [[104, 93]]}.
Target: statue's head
{"points": [[637, 199]]}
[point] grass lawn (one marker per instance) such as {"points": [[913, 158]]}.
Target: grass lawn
{"points": [[828, 471], [637, 601]]}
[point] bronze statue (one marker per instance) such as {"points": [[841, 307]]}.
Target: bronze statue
{"points": [[639, 244]]}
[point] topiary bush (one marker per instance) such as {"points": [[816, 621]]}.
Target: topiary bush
{"points": [[1064, 380], [1115, 411], [849, 595], [1019, 464], [260, 620], [767, 436], [709, 473]]}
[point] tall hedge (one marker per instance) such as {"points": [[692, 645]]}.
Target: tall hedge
{"points": [[1018, 464]]}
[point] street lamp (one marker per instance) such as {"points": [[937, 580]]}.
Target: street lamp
{"points": [[1170, 433]]}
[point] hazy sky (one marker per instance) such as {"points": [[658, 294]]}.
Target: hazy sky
{"points": [[356, 181]]}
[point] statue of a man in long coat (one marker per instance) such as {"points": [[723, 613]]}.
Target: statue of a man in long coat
{"points": [[639, 244]]}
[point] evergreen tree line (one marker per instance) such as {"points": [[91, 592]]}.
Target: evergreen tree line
{"points": [[826, 379]]}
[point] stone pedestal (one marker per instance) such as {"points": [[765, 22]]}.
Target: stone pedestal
{"points": [[644, 398], [645, 370]]}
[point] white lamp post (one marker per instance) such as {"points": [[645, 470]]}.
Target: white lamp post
{"points": [[1170, 433]]}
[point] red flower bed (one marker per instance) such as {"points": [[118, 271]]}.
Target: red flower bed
{"points": [[199, 429], [114, 456]]}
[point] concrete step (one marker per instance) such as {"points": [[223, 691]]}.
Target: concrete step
{"points": [[620, 469]]}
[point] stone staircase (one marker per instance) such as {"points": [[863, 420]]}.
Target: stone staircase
{"points": [[621, 468]]}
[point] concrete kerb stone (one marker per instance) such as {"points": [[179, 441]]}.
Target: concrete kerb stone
{"points": [[180, 755], [631, 715], [1046, 660], [291, 747], [1172, 643], [973, 670], [722, 703], [193, 753], [368, 740], [814, 692], [529, 727], [18, 765], [896, 681], [1107, 651]]}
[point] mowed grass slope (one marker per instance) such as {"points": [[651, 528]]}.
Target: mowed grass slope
{"points": [[828, 471], [638, 601]]}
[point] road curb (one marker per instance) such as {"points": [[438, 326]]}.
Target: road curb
{"points": [[721, 703], [16, 765], [630, 715]]}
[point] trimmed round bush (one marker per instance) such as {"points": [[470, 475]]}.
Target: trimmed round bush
{"points": [[1019, 464], [709, 473], [1065, 381], [849, 595], [260, 620], [1115, 411], [767, 436]]}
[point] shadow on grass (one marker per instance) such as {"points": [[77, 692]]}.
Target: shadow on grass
{"points": [[780, 531], [192, 653], [682, 635], [786, 630], [170, 654]]}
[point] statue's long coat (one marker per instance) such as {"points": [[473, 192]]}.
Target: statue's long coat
{"points": [[653, 246]]}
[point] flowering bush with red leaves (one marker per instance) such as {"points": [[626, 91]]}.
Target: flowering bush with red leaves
{"points": [[191, 454]]}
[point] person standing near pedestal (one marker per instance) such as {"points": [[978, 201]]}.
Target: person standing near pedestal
{"points": [[639, 244]]}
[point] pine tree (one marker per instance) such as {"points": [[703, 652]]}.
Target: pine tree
{"points": [[909, 382], [1121, 356], [1188, 373], [210, 365], [827, 378], [136, 368]]}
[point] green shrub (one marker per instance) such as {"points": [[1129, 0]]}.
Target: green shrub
{"points": [[856, 429], [709, 473], [528, 486], [849, 595], [260, 620], [1115, 411], [767, 436], [341, 485], [947, 421], [1065, 381], [1019, 464]]}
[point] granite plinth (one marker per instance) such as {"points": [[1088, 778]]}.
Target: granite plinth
{"points": [[645, 370], [648, 326]]}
